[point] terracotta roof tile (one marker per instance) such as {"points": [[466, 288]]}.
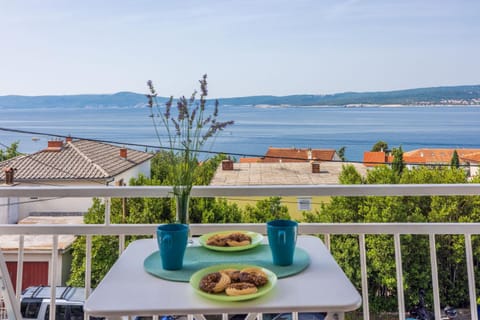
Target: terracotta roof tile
{"points": [[426, 155], [79, 159], [298, 155], [250, 160], [471, 157], [374, 158]]}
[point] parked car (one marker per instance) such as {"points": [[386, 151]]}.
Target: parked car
{"points": [[35, 303]]}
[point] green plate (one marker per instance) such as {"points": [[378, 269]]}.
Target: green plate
{"points": [[197, 276], [257, 238]]}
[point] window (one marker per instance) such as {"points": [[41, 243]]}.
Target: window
{"points": [[30, 308], [60, 313], [76, 313], [304, 203]]}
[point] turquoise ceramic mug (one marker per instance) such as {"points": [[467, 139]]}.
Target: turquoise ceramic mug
{"points": [[282, 239], [172, 242]]}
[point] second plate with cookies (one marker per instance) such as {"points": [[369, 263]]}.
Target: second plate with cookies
{"points": [[233, 240]]}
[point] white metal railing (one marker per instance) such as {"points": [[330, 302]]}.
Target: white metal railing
{"points": [[359, 229]]}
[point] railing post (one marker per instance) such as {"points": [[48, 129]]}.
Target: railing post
{"points": [[121, 244], [433, 265], [398, 263], [471, 276], [327, 241], [6, 291], [363, 267], [88, 264], [107, 211], [53, 277], [19, 280]]}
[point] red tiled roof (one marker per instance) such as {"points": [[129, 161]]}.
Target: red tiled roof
{"points": [[426, 155], [250, 160], [375, 158], [80, 159], [471, 157], [298, 155]]}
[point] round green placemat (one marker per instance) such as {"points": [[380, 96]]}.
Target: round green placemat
{"points": [[197, 258]]}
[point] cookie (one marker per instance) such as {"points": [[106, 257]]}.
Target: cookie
{"points": [[214, 282], [240, 288]]}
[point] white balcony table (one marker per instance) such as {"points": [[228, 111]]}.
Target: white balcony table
{"points": [[127, 290]]}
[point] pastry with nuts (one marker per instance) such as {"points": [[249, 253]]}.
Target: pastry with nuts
{"points": [[234, 239], [234, 282]]}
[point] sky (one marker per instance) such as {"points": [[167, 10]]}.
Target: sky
{"points": [[246, 47]]}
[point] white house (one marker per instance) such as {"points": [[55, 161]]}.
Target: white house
{"points": [[62, 163], [68, 163]]}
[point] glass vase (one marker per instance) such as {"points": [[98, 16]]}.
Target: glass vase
{"points": [[181, 202], [182, 206]]}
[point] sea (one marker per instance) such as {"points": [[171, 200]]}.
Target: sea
{"points": [[256, 128]]}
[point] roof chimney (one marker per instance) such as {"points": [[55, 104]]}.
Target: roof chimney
{"points": [[55, 145], [9, 173], [123, 153], [315, 167], [309, 153], [68, 139], [227, 164]]}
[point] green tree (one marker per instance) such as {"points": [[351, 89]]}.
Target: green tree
{"points": [[341, 153], [415, 248], [104, 250], [343, 209], [265, 210], [398, 164], [455, 162], [380, 146], [220, 211], [9, 152]]}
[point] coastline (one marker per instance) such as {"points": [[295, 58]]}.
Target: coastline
{"points": [[255, 129], [361, 105]]}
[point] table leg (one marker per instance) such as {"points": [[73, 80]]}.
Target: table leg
{"points": [[251, 316]]}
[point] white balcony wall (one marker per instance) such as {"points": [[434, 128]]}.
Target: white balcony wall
{"points": [[134, 172], [360, 229], [8, 210], [40, 205], [37, 205], [474, 169]]}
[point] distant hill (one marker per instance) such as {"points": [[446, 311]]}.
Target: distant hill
{"points": [[457, 95], [120, 99], [423, 96]]}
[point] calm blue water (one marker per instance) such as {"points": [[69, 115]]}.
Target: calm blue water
{"points": [[255, 129]]}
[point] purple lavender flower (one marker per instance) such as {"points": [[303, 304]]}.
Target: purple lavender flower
{"points": [[188, 131]]}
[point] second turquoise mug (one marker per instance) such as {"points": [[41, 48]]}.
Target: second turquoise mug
{"points": [[172, 241], [282, 238]]}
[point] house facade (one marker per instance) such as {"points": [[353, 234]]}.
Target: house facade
{"points": [[283, 173], [37, 253], [62, 163], [468, 158], [68, 163], [285, 166], [376, 158]]}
